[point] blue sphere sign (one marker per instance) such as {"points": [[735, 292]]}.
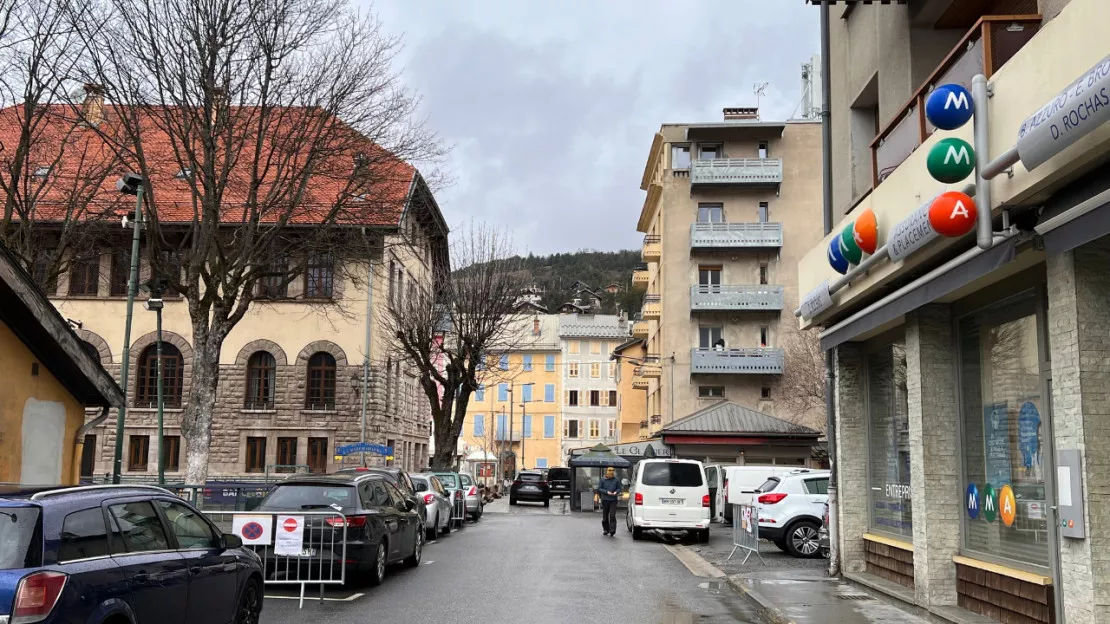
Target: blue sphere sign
{"points": [[972, 501], [949, 106], [836, 257]]}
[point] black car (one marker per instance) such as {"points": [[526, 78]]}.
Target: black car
{"points": [[558, 480], [400, 478], [383, 526], [530, 486]]}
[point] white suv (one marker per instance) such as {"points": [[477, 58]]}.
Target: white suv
{"points": [[669, 494], [790, 509]]}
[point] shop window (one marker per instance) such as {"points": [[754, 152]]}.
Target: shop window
{"points": [[889, 441], [1004, 432]]}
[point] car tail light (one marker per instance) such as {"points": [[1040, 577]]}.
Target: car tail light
{"points": [[36, 596], [473, 491], [517, 482], [429, 499], [352, 521], [772, 498], [705, 501], [458, 494], [639, 498]]}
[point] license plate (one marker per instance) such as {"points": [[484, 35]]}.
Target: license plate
{"points": [[308, 552], [529, 488], [672, 501]]}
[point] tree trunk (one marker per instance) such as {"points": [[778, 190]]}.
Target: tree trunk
{"points": [[196, 425]]}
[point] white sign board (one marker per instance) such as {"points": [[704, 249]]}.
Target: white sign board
{"points": [[289, 536], [1070, 116], [910, 234], [253, 530], [817, 300]]}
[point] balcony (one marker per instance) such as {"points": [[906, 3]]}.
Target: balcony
{"points": [[652, 307], [733, 172], [735, 235], [639, 382], [986, 47], [761, 361], [657, 419], [653, 248], [503, 436], [652, 368], [708, 298], [640, 329], [643, 424], [640, 277]]}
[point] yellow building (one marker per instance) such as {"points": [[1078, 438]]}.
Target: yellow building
{"points": [[631, 391], [515, 414], [49, 381]]}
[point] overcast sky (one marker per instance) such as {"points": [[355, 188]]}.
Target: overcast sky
{"points": [[550, 105]]}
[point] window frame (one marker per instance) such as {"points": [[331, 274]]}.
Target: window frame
{"points": [[707, 392], [314, 453], [84, 275], [143, 447], [261, 383], [171, 453], [146, 377], [595, 370], [712, 209], [678, 148], [119, 274], [319, 276], [318, 387], [286, 446], [572, 370], [595, 428], [254, 447]]}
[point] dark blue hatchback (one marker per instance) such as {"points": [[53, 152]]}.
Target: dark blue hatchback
{"points": [[120, 555]]}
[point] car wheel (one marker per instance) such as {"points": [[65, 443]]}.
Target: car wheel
{"points": [[512, 501], [474, 516], [447, 527], [417, 550], [249, 604], [377, 573], [637, 533], [433, 532], [703, 536], [802, 540], [546, 503]]}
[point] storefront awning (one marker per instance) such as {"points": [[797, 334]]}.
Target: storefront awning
{"points": [[925, 289], [1081, 224]]}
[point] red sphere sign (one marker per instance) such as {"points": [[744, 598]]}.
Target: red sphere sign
{"points": [[866, 231], [290, 525], [952, 214]]}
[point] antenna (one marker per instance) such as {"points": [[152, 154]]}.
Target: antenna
{"points": [[760, 90]]}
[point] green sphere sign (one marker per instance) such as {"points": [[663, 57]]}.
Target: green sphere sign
{"points": [[951, 160], [849, 246], [990, 503]]}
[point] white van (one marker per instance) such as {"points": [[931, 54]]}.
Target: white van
{"points": [[669, 494], [739, 484]]}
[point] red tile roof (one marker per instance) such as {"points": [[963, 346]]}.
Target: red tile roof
{"points": [[87, 165]]}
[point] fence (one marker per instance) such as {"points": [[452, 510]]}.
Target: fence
{"points": [[745, 532], [298, 548], [223, 496], [458, 508]]}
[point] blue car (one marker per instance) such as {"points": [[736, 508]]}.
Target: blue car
{"points": [[120, 554]]}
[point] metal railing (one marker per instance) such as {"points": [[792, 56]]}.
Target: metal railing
{"points": [[736, 171], [709, 297], [735, 235], [656, 419], [763, 360], [745, 532]]}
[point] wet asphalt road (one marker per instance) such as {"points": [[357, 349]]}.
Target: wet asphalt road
{"points": [[534, 565]]}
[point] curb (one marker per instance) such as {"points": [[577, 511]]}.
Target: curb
{"points": [[766, 609]]}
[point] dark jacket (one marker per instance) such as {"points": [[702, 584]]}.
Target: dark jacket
{"points": [[604, 486]]}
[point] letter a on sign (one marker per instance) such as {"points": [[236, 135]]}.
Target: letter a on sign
{"points": [[959, 210]]}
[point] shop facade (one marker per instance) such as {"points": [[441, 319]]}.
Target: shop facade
{"points": [[972, 377]]}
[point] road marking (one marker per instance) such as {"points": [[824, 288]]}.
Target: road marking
{"points": [[350, 598], [694, 562], [429, 562]]}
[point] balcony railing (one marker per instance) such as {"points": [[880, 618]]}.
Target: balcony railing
{"points": [[640, 277], [736, 171], [705, 297], [653, 248], [643, 424], [640, 329], [652, 307], [760, 361], [986, 47], [656, 419], [651, 368], [735, 235], [503, 436]]}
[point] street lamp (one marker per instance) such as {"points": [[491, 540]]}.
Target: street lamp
{"points": [[155, 304], [129, 184], [511, 397]]}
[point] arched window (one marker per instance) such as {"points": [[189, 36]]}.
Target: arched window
{"points": [[320, 394], [260, 381], [173, 376], [91, 349]]}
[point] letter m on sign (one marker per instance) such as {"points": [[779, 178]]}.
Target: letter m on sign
{"points": [[959, 100], [958, 156]]}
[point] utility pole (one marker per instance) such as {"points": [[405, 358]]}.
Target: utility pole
{"points": [[155, 304], [129, 184], [523, 431]]}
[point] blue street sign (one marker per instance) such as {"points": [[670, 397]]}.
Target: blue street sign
{"points": [[364, 447], [949, 106], [836, 256], [972, 501]]}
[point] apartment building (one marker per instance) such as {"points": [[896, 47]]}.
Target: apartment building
{"points": [[970, 375], [730, 208], [513, 420], [632, 414], [590, 378]]}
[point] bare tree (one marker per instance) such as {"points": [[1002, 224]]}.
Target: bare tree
{"points": [[450, 335], [272, 137], [802, 387]]}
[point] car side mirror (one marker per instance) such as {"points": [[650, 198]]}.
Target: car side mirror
{"points": [[229, 541]]}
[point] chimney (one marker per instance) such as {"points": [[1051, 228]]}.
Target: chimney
{"points": [[219, 102], [742, 113], [92, 109], [536, 326]]}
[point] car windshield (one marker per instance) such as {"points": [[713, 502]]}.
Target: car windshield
{"points": [[466, 480], [19, 547], [672, 474], [530, 476], [768, 485], [310, 496], [449, 480], [558, 473]]}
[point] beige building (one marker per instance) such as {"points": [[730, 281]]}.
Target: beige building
{"points": [[731, 206]]}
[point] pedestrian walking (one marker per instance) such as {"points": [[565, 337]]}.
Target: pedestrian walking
{"points": [[608, 492]]}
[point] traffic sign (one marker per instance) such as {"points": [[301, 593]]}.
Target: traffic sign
{"points": [[836, 257], [952, 214], [950, 160], [949, 106], [865, 231], [290, 524], [852, 252]]}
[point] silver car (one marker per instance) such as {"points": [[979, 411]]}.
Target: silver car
{"points": [[437, 504], [452, 482], [473, 494]]}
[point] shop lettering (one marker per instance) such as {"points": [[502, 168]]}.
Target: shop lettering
{"points": [[897, 490], [1073, 113], [911, 234]]}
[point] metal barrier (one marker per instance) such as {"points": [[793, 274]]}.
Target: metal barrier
{"points": [[458, 510], [297, 548], [745, 532]]}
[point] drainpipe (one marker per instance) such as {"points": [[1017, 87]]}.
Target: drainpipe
{"points": [[830, 359], [79, 443]]}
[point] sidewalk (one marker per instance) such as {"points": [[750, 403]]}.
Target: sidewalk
{"points": [[818, 601]]}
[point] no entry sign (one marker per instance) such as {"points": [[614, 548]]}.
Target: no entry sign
{"points": [[290, 539]]}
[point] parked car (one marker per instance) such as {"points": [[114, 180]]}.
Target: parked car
{"points": [[400, 478], [60, 563], [437, 504], [669, 494], [739, 485], [383, 526], [790, 511], [558, 480], [474, 504], [452, 481], [529, 485], [823, 536]]}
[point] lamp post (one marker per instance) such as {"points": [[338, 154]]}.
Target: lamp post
{"points": [[129, 184], [523, 431], [512, 396], [155, 304]]}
